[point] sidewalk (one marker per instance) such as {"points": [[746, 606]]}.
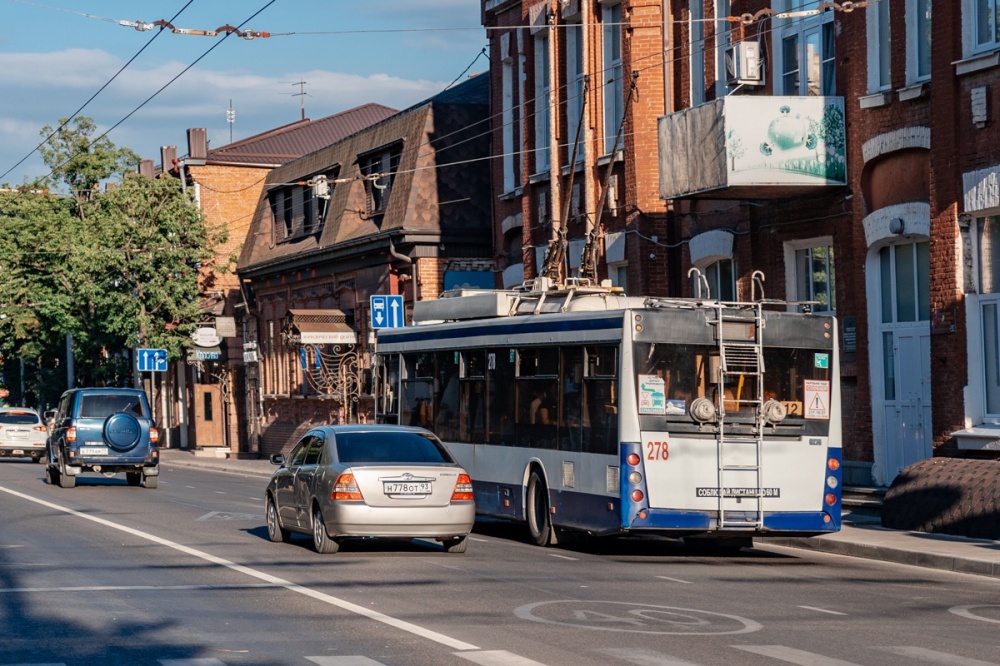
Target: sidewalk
{"points": [[861, 535]]}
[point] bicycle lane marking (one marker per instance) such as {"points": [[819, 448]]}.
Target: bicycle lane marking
{"points": [[259, 575]]}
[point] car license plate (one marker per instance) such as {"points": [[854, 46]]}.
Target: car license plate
{"points": [[93, 450], [403, 488], [18, 452]]}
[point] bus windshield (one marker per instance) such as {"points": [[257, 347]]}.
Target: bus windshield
{"points": [[671, 375]]}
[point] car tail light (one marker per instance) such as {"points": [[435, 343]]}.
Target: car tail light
{"points": [[463, 489], [70, 434], [39, 428], [346, 488], [154, 436]]}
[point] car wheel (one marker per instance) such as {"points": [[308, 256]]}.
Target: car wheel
{"points": [[275, 532], [133, 478], [538, 512], [152, 482], [321, 539], [66, 480], [456, 545]]}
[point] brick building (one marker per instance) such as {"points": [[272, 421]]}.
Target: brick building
{"points": [[207, 409], [835, 147], [400, 209]]}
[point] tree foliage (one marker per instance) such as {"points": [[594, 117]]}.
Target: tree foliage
{"points": [[116, 268]]}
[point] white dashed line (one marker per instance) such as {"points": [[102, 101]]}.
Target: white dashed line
{"points": [[822, 610], [676, 580]]}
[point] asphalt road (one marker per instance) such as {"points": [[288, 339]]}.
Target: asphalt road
{"points": [[184, 576]]}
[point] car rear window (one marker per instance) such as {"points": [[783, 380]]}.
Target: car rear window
{"points": [[103, 406], [18, 418], [390, 447]]}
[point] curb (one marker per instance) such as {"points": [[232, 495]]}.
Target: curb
{"points": [[219, 467]]}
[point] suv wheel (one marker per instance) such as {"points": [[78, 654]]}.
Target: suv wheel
{"points": [[66, 481], [152, 482]]}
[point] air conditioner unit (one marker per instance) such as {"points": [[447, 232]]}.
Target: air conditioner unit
{"points": [[743, 64]]}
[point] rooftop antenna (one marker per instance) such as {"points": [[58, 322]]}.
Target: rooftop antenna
{"points": [[301, 94], [230, 118]]}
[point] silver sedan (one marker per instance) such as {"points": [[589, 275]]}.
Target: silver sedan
{"points": [[388, 481]]}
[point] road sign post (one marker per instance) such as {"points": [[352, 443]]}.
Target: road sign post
{"points": [[151, 360], [386, 311]]}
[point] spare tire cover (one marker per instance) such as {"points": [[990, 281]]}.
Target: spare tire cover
{"points": [[122, 431]]}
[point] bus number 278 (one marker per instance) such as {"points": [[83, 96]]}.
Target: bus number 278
{"points": [[657, 450]]}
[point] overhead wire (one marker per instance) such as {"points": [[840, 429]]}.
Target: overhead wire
{"points": [[92, 97]]}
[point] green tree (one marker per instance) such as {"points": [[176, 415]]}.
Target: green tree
{"points": [[115, 268]]}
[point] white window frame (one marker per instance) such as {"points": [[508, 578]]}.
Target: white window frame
{"points": [[801, 29], [543, 92], [714, 274], [613, 74], [972, 30], [918, 41], [880, 46], [696, 29], [988, 298], [793, 272], [574, 87], [507, 113]]}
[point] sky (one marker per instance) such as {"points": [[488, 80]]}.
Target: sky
{"points": [[56, 54]]}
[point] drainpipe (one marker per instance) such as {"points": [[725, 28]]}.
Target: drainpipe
{"points": [[555, 173], [668, 43]]}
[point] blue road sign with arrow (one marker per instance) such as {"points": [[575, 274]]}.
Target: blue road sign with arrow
{"points": [[387, 311], [151, 360]]}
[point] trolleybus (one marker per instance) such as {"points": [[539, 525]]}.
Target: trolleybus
{"points": [[581, 408]]}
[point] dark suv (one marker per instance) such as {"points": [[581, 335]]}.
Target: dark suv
{"points": [[103, 430]]}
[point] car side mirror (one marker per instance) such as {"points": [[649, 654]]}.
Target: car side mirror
{"points": [[277, 459]]}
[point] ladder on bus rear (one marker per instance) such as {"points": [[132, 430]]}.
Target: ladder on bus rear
{"points": [[741, 360]]}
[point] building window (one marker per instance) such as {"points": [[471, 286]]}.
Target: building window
{"points": [[807, 51], [905, 273], [543, 89], [384, 163], [696, 27], [879, 48], [574, 89], [987, 23], [297, 211], [988, 241], [507, 113], [814, 276], [614, 84], [721, 280], [918, 40]]}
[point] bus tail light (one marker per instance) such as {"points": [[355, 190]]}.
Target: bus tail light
{"points": [[633, 459], [346, 488], [463, 489], [637, 495], [831, 499], [833, 464], [635, 478]]}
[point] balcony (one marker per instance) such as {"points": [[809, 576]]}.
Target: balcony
{"points": [[760, 147]]}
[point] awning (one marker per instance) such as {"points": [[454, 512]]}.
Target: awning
{"points": [[321, 327]]}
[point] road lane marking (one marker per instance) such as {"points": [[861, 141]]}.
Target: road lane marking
{"points": [[645, 657], [676, 580], [136, 588], [822, 610], [564, 557], [196, 661], [966, 612], [260, 575], [793, 656], [497, 658], [345, 660], [472, 538], [933, 656]]}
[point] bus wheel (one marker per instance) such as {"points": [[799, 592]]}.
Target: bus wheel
{"points": [[538, 512]]}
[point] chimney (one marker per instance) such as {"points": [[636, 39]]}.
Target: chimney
{"points": [[146, 169], [197, 145], [168, 158]]}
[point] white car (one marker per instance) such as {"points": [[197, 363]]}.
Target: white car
{"points": [[22, 433], [341, 482]]}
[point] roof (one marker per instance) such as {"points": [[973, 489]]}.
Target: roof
{"points": [[284, 144]]}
